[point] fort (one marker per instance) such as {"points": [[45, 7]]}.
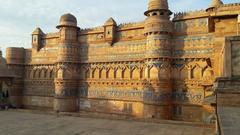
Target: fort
{"points": [[163, 67]]}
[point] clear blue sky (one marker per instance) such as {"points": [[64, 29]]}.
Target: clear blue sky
{"points": [[18, 18]]}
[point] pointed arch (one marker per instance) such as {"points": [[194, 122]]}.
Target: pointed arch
{"points": [[111, 73], [60, 73], [176, 73], [45, 73], [123, 73], [41, 73], [93, 73], [28, 74], [104, 73], [154, 72], [51, 73], [135, 73], [100, 73], [96, 73], [36, 73], [196, 72], [87, 73], [118, 73], [32, 73], [164, 73], [184, 73], [208, 73]]}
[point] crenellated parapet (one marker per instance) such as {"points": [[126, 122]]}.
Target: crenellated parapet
{"points": [[52, 35], [190, 14], [91, 30], [131, 25], [215, 9], [231, 5], [112, 35], [232, 8]]}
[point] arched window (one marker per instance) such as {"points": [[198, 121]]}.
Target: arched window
{"points": [[51, 74], [87, 74], [154, 14], [39, 73], [107, 74], [93, 73], [45, 73], [34, 74]]}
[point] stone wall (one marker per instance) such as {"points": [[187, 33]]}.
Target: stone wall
{"points": [[113, 68]]}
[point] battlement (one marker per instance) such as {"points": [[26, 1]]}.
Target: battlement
{"points": [[204, 13], [52, 35], [189, 14], [130, 25], [232, 8], [98, 28], [230, 5], [121, 26]]}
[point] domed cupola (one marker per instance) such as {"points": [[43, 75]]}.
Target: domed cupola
{"points": [[68, 28], [158, 5], [215, 4], [68, 20]]}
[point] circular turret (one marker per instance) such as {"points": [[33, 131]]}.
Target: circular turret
{"points": [[68, 29], [68, 20], [158, 18], [157, 25], [15, 55]]}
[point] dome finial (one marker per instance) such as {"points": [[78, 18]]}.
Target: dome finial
{"points": [[216, 3], [154, 5], [157, 4], [68, 20]]}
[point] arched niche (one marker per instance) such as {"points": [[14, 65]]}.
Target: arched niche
{"points": [[154, 72], [135, 73], [184, 73], [196, 72], [104, 74], [111, 73], [164, 73], [119, 73]]}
